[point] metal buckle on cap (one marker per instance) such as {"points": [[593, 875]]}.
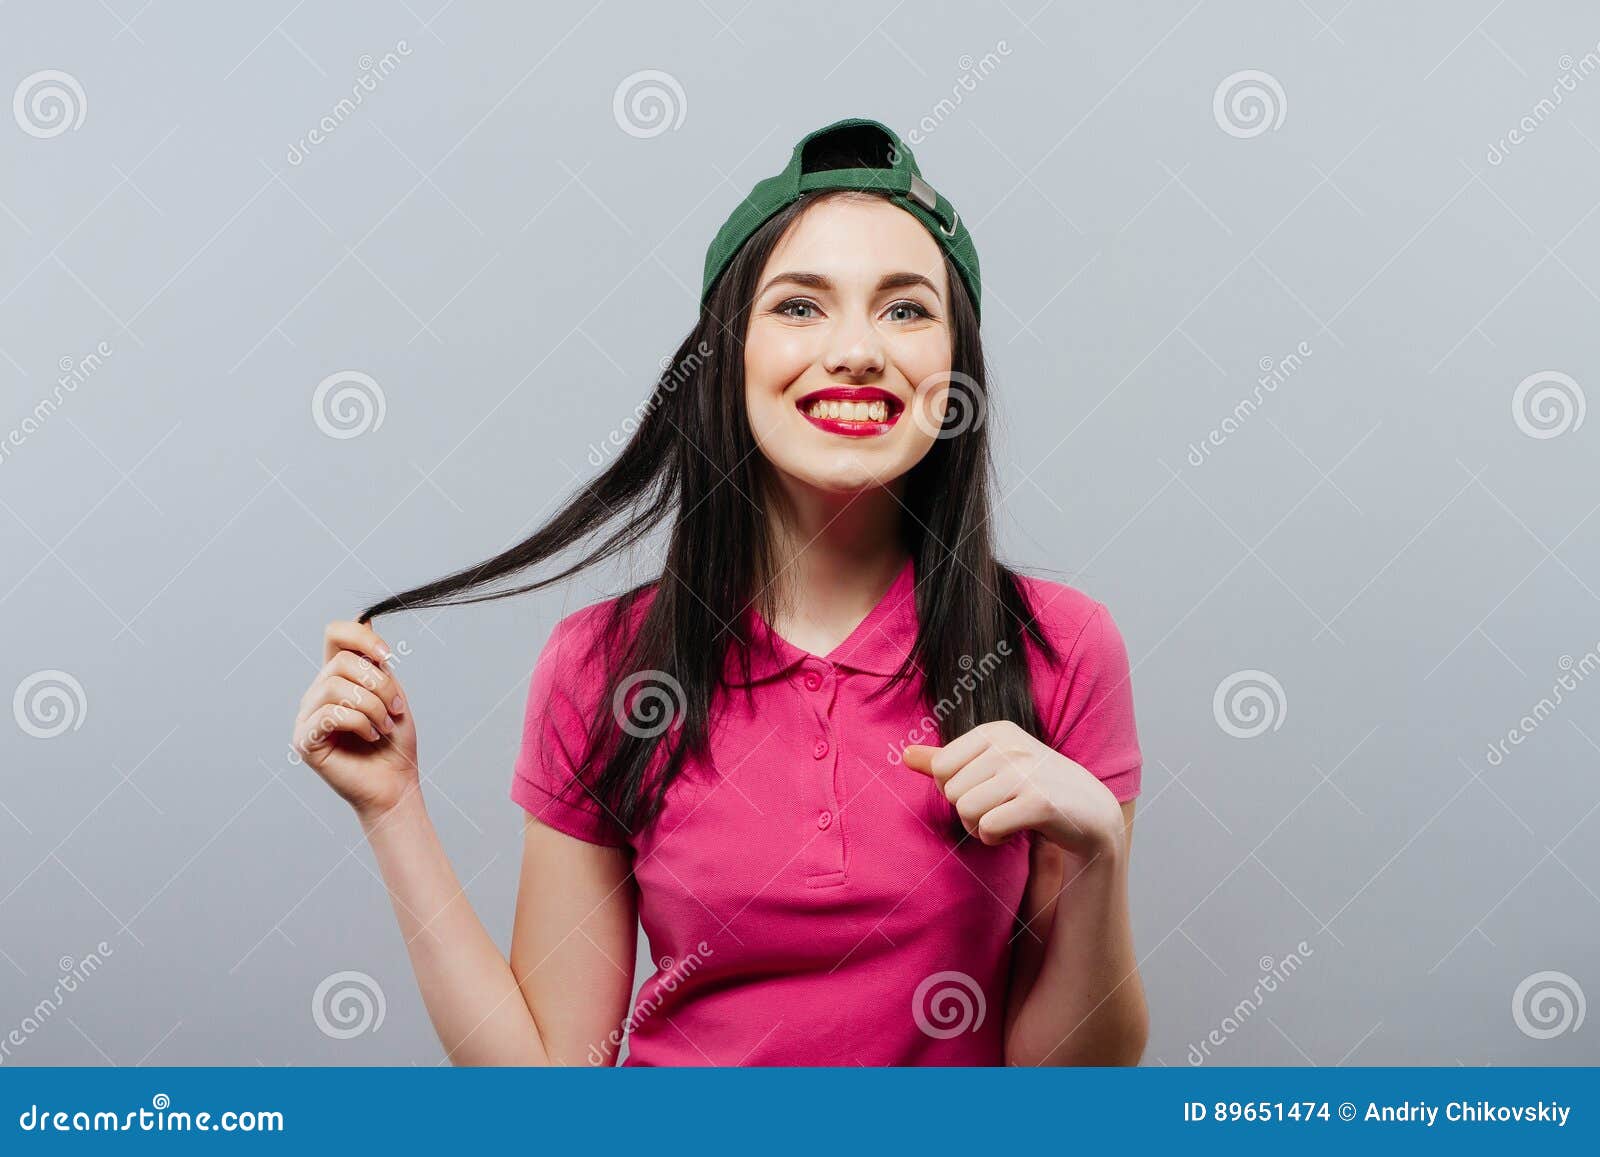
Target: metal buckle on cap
{"points": [[922, 193]]}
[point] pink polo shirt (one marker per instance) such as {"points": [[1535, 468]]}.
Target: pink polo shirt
{"points": [[803, 893]]}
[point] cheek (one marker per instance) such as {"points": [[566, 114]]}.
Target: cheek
{"points": [[773, 358], [928, 371], [924, 359]]}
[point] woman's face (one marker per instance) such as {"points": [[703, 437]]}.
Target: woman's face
{"points": [[847, 358]]}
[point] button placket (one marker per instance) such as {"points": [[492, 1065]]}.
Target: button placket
{"points": [[825, 847]]}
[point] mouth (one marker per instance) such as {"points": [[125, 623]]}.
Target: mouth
{"points": [[851, 411]]}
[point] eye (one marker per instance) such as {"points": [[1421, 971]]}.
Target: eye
{"points": [[916, 308], [793, 303]]}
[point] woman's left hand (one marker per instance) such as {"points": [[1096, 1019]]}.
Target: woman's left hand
{"points": [[1002, 781]]}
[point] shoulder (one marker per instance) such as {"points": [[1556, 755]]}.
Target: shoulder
{"points": [[602, 622], [1091, 655], [583, 644], [1085, 697], [1065, 615]]}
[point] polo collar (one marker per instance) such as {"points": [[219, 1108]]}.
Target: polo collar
{"points": [[879, 644]]}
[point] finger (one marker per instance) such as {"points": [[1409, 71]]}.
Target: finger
{"points": [[380, 681], [336, 689], [346, 665], [322, 724], [943, 762], [348, 635], [960, 751], [984, 767], [971, 806], [999, 824]]}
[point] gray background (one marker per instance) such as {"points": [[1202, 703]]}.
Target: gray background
{"points": [[483, 238]]}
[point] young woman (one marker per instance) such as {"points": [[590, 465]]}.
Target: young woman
{"points": [[869, 791]]}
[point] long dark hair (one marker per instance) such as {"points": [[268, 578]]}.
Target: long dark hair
{"points": [[693, 456]]}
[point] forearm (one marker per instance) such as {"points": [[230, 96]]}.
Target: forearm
{"points": [[471, 994], [1086, 1006]]}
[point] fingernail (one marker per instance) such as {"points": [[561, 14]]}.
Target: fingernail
{"points": [[398, 707]]}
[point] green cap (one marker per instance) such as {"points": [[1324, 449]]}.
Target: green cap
{"points": [[879, 160]]}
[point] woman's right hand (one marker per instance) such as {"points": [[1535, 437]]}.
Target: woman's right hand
{"points": [[354, 728]]}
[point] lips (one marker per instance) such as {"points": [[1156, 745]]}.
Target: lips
{"points": [[846, 403]]}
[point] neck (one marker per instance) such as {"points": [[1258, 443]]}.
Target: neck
{"points": [[835, 554]]}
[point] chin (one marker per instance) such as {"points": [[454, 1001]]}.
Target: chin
{"points": [[853, 479]]}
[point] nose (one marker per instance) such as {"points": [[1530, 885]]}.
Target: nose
{"points": [[855, 351]]}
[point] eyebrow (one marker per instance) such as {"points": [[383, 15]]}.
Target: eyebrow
{"points": [[900, 280]]}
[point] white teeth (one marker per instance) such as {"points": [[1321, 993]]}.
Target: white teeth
{"points": [[877, 411]]}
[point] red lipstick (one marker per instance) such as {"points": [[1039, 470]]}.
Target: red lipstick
{"points": [[850, 427]]}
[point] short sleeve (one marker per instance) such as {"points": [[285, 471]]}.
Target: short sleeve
{"points": [[561, 693], [1091, 721]]}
